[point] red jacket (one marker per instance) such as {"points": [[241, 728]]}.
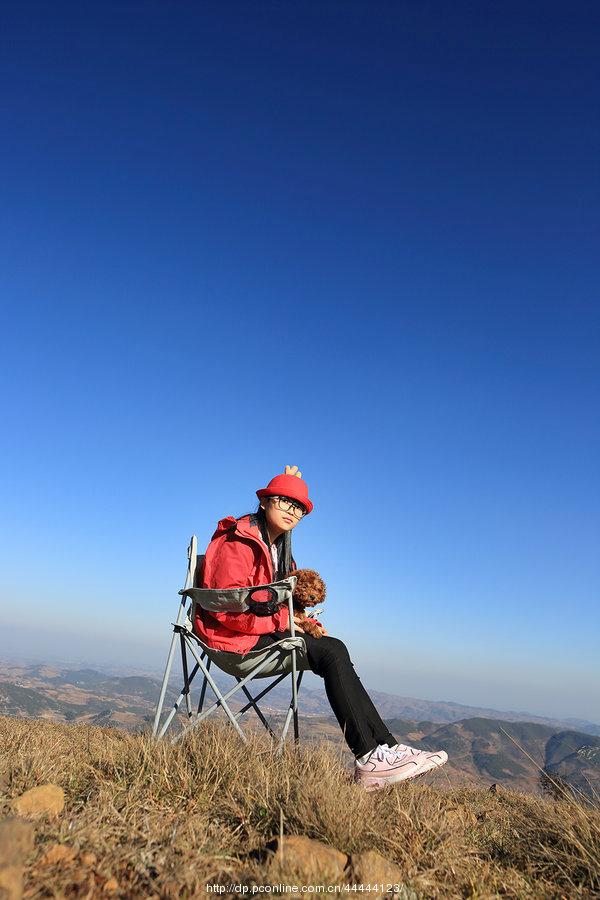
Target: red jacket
{"points": [[237, 557]]}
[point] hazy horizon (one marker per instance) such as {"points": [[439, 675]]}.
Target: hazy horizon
{"points": [[88, 651]]}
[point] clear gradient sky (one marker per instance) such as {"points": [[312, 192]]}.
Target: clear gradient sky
{"points": [[357, 237]]}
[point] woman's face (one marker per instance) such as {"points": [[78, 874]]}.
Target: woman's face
{"points": [[278, 519]]}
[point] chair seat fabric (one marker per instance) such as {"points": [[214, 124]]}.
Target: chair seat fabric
{"points": [[237, 665]]}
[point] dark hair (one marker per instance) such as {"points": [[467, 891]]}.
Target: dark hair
{"points": [[283, 543]]}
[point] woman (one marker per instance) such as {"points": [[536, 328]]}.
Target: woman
{"points": [[256, 549]]}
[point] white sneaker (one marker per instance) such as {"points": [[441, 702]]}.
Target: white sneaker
{"points": [[403, 748], [387, 766], [436, 758]]}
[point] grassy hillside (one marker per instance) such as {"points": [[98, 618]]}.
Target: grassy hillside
{"points": [[145, 819]]}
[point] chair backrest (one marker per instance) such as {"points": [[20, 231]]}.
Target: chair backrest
{"points": [[199, 570], [192, 556], [195, 565]]}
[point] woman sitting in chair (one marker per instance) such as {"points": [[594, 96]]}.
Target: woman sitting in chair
{"points": [[257, 549]]}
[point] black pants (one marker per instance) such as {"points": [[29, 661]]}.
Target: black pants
{"points": [[359, 720]]}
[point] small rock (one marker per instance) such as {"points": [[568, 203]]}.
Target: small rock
{"points": [[309, 858], [45, 801], [370, 867], [111, 886], [89, 859], [57, 853], [494, 788], [16, 841], [11, 882]]}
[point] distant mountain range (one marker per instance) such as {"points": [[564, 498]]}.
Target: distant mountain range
{"points": [[445, 711], [511, 753], [78, 692], [483, 744]]}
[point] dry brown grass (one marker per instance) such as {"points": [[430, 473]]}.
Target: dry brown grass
{"points": [[163, 821]]}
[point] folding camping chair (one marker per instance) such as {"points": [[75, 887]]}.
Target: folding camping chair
{"points": [[285, 657]]}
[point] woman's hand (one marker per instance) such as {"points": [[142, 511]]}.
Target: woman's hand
{"points": [[298, 623]]}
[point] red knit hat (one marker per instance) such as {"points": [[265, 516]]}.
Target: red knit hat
{"points": [[287, 486]]}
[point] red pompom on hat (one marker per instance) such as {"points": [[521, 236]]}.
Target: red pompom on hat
{"points": [[287, 486]]}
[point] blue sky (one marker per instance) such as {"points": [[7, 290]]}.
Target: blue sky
{"points": [[358, 238]]}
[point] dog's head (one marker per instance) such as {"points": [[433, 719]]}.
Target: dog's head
{"points": [[310, 588]]}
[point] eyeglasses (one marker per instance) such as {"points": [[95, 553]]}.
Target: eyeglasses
{"points": [[287, 505]]}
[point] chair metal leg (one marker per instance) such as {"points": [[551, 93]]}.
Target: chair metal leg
{"points": [[294, 696], [263, 692], [296, 728], [176, 705], [295, 685], [186, 681], [165, 682], [180, 617], [256, 710], [293, 708], [204, 683]]}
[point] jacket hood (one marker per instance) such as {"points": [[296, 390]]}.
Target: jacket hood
{"points": [[242, 526], [246, 528], [224, 525]]}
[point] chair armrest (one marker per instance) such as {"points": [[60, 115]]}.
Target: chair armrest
{"points": [[235, 599]]}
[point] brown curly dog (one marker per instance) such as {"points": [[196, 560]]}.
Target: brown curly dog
{"points": [[310, 589]]}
